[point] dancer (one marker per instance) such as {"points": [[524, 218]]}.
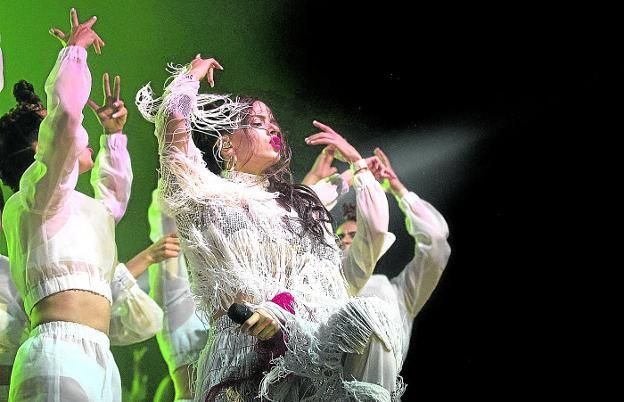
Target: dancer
{"points": [[135, 317], [254, 237], [184, 330], [66, 290], [410, 290]]}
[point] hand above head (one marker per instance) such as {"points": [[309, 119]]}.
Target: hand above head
{"points": [[390, 179], [201, 68], [322, 167], [343, 151], [112, 114], [81, 34]]}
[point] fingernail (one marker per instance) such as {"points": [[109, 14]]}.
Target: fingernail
{"points": [[116, 103], [94, 17], [51, 31], [73, 9], [114, 115]]}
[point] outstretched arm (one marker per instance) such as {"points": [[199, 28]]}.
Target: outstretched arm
{"points": [[47, 182], [427, 226], [372, 239], [134, 315]]}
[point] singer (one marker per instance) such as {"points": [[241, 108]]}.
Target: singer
{"points": [[251, 235]]}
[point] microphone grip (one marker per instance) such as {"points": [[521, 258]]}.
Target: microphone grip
{"points": [[239, 313]]}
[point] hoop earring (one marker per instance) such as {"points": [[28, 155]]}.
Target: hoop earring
{"points": [[230, 164]]}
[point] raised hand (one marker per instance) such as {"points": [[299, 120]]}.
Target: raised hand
{"points": [[201, 68], [343, 151], [322, 166], [81, 34], [167, 247], [390, 179], [112, 114]]}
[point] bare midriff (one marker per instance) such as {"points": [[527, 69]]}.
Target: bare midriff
{"points": [[78, 306]]}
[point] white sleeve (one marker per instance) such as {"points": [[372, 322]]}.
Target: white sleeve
{"points": [[14, 324], [330, 189], [421, 275], [184, 333], [111, 177], [372, 239], [1, 71], [135, 317]]}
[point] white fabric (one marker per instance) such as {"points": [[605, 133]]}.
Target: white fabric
{"points": [[111, 176], [241, 244], [372, 238], [135, 317], [330, 189], [1, 71], [14, 325], [184, 330], [410, 290], [64, 361], [47, 214]]}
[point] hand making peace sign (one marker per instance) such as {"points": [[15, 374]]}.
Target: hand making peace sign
{"points": [[112, 114]]}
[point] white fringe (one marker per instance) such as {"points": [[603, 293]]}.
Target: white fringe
{"points": [[236, 243]]}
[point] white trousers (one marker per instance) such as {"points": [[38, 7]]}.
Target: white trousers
{"points": [[64, 361]]}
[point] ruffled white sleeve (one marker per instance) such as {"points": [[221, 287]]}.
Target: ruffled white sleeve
{"points": [[14, 324], [48, 182], [111, 176], [431, 253], [330, 189], [1, 71], [135, 317], [185, 180], [372, 239]]}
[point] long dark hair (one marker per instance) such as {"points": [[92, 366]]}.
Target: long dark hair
{"points": [[19, 130], [312, 214]]}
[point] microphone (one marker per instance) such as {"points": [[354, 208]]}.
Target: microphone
{"points": [[239, 313]]}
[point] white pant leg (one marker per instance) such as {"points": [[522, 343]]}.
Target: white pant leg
{"points": [[376, 365], [62, 362]]}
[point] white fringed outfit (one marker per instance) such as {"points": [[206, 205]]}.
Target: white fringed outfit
{"points": [[242, 245]]}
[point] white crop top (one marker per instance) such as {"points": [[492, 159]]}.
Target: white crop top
{"points": [[59, 239]]}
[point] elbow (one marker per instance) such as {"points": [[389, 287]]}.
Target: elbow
{"points": [[441, 253]]}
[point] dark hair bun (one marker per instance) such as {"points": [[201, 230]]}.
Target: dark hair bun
{"points": [[349, 211], [24, 92]]}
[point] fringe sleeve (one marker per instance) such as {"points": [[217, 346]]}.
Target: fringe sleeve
{"points": [[185, 179]]}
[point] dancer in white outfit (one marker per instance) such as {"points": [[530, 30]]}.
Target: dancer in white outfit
{"points": [[410, 290], [185, 330], [66, 290]]}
